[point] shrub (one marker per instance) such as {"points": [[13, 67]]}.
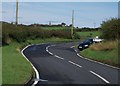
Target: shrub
{"points": [[111, 29]]}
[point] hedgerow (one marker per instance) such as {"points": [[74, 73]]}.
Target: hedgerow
{"points": [[22, 33]]}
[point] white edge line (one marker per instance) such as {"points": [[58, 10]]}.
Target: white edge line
{"points": [[100, 77], [74, 63], [36, 71], [97, 62], [37, 74]]}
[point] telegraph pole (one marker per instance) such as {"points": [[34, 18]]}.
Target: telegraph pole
{"points": [[72, 29], [16, 12]]}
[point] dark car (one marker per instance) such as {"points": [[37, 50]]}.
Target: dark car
{"points": [[85, 44]]}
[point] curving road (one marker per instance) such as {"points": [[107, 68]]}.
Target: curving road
{"points": [[60, 64]]}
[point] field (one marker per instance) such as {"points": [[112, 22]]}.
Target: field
{"points": [[88, 34], [54, 28], [107, 53], [15, 65]]}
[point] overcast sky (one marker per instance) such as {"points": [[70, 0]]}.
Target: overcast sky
{"points": [[87, 14]]}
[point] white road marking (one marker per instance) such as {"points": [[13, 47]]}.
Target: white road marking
{"points": [[59, 57], [42, 80], [36, 71], [47, 50], [74, 64], [106, 81], [71, 46], [76, 51], [50, 53], [78, 55]]}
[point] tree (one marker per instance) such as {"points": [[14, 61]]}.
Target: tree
{"points": [[111, 29], [63, 24]]}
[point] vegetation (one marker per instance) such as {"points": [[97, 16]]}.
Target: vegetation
{"points": [[104, 46], [16, 69], [106, 52], [92, 34], [23, 33], [55, 28], [15, 38], [111, 29]]}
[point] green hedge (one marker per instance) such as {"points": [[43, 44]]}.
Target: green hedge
{"points": [[22, 33]]}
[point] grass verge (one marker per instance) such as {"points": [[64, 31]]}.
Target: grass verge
{"points": [[16, 70], [104, 54]]}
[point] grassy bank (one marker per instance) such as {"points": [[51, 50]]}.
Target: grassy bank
{"points": [[106, 52], [16, 70]]}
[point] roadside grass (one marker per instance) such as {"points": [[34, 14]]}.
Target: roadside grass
{"points": [[108, 53], [16, 70], [88, 34]]}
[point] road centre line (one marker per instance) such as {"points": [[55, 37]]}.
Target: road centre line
{"points": [[106, 81], [50, 53], [59, 57], [74, 64], [71, 46]]}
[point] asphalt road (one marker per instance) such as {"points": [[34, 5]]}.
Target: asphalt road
{"points": [[60, 64]]}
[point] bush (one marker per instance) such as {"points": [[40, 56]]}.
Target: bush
{"points": [[111, 29]]}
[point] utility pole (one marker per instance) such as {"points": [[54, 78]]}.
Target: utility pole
{"points": [[16, 12], [72, 29]]}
